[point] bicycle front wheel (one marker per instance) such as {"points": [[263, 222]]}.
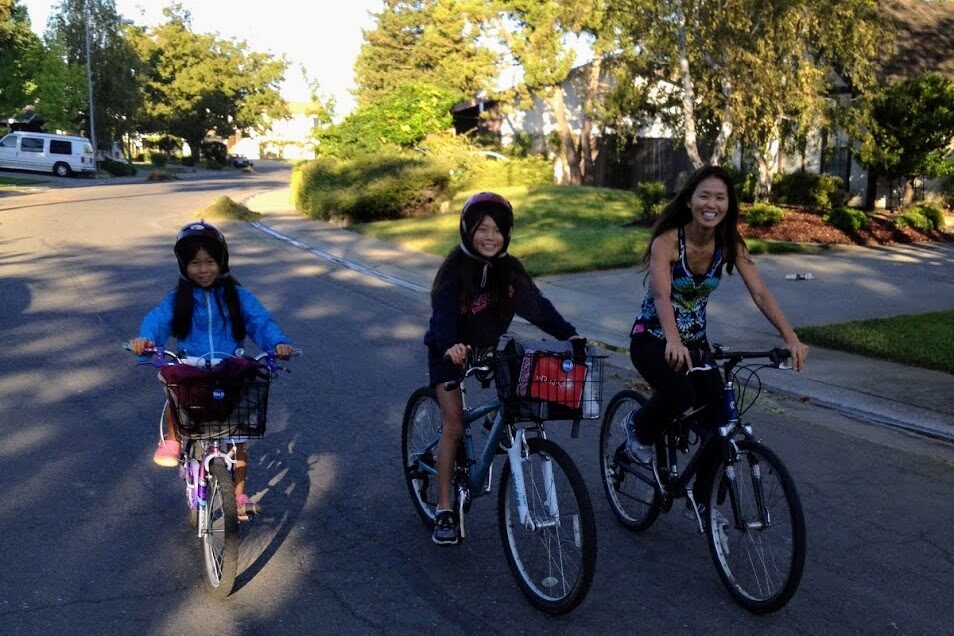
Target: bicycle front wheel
{"points": [[759, 554], [420, 434], [630, 487], [220, 541], [552, 552]]}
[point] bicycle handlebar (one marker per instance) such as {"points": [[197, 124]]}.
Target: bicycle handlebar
{"points": [[158, 356]]}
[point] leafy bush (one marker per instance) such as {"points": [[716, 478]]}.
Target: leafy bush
{"points": [[817, 192], [213, 163], [187, 161], [764, 215], [158, 159], [947, 192], [931, 213], [370, 188], [117, 168], [913, 218], [829, 192], [214, 151], [847, 219], [651, 198], [746, 184]]}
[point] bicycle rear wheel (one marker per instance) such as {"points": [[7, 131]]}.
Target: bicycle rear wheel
{"points": [[420, 433], [629, 487], [220, 542], [759, 560], [553, 555]]}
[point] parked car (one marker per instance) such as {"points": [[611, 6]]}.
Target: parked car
{"points": [[240, 161], [60, 154]]}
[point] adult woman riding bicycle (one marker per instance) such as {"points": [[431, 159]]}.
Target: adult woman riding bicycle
{"points": [[694, 239]]}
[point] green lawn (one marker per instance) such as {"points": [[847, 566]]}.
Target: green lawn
{"points": [[13, 182], [923, 340], [557, 229]]}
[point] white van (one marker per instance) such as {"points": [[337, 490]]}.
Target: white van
{"points": [[60, 154]]}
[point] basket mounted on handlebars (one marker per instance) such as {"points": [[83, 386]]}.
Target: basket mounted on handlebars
{"points": [[231, 399], [541, 381]]}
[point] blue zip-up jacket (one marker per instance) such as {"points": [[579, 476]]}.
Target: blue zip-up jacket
{"points": [[211, 331]]}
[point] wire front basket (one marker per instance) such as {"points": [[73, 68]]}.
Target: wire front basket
{"points": [[549, 385], [215, 408]]}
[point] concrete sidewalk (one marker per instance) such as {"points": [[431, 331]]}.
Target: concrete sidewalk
{"points": [[847, 285]]}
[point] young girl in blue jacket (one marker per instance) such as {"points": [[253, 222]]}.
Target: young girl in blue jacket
{"points": [[210, 314], [475, 294]]}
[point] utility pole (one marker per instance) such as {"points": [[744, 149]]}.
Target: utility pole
{"points": [[89, 87]]}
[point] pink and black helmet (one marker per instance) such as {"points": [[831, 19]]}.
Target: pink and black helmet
{"points": [[206, 234], [475, 209]]}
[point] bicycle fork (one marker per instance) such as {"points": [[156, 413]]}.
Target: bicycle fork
{"points": [[200, 471], [517, 453]]}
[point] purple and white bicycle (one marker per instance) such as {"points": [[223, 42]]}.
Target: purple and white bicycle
{"points": [[214, 409]]}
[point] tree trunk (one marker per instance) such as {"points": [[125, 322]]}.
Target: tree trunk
{"points": [[908, 197], [688, 96], [587, 151], [871, 190], [766, 160], [568, 152]]}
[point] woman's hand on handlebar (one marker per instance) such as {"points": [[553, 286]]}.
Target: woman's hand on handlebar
{"points": [[799, 353], [677, 355], [457, 353], [139, 345]]}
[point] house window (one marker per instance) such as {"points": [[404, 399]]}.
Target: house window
{"points": [[60, 147], [837, 161], [896, 191], [31, 144]]}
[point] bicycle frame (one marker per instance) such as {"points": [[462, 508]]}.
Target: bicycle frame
{"points": [[675, 484], [194, 473], [478, 469]]}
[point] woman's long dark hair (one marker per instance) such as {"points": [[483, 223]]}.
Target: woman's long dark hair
{"points": [[469, 270], [184, 301], [679, 213]]}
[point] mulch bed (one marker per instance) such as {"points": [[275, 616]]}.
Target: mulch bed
{"points": [[804, 227]]}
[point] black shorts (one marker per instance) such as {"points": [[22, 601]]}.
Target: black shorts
{"points": [[440, 369]]}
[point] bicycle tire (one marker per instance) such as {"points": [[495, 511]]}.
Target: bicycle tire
{"points": [[761, 565], [420, 427], [220, 543], [629, 487], [568, 547]]}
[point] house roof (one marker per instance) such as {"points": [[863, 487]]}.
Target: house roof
{"points": [[925, 38]]}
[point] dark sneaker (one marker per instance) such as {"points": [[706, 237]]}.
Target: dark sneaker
{"points": [[445, 528], [637, 451]]}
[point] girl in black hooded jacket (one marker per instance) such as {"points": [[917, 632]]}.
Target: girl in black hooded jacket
{"points": [[476, 292]]}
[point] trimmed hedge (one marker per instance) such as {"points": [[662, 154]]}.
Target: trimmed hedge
{"points": [[764, 215], [117, 168], [847, 219], [369, 188], [821, 192], [931, 213], [651, 198]]}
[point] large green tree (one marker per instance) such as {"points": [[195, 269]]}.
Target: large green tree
{"points": [[537, 37], [199, 84], [748, 72], [18, 47], [115, 66], [909, 130], [436, 42]]}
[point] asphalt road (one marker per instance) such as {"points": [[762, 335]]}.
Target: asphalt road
{"points": [[95, 538]]}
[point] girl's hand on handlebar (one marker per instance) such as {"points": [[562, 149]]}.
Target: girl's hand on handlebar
{"points": [[284, 351], [139, 345], [457, 354], [799, 353], [677, 355]]}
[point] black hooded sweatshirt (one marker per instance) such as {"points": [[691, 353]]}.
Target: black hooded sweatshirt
{"points": [[481, 324]]}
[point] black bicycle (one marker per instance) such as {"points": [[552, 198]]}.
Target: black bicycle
{"points": [[751, 516]]}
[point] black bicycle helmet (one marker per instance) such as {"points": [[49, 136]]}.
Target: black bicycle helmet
{"points": [[475, 209], [207, 234]]}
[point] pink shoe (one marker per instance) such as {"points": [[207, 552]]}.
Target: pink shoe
{"points": [[246, 507], [167, 454]]}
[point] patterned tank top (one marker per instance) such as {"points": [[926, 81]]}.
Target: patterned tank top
{"points": [[689, 296]]}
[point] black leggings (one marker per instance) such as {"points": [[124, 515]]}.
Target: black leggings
{"points": [[673, 393]]}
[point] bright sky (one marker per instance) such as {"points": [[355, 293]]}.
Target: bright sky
{"points": [[323, 36]]}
